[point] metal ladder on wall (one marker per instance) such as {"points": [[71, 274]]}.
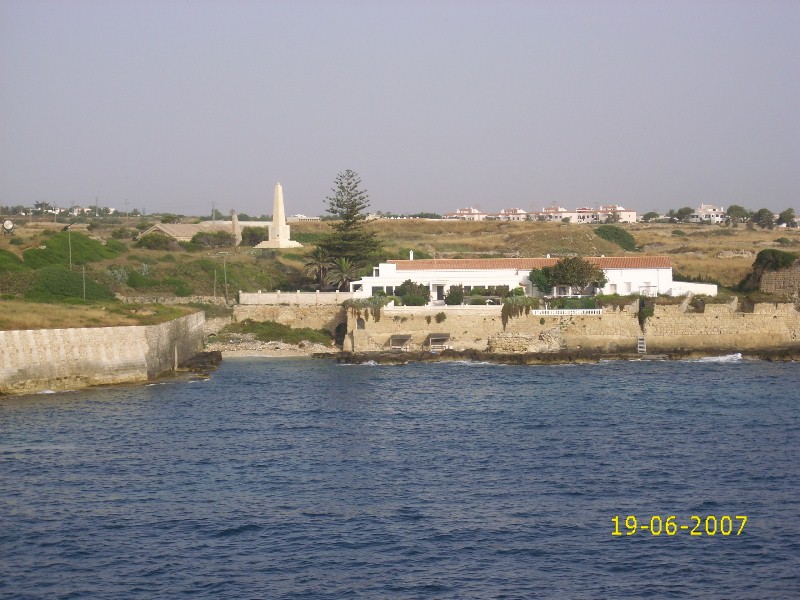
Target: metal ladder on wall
{"points": [[641, 345]]}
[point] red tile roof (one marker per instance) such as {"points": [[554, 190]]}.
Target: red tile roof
{"points": [[526, 264]]}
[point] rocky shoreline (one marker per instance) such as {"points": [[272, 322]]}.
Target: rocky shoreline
{"points": [[255, 349], [549, 358]]}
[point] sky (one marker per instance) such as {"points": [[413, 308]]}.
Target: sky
{"points": [[172, 106]]}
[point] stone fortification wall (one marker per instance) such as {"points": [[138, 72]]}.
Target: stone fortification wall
{"points": [[671, 328], [785, 281], [64, 359], [313, 317], [613, 330], [721, 327]]}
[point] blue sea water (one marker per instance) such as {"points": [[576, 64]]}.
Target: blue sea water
{"points": [[306, 479]]}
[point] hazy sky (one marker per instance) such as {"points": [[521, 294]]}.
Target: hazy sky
{"points": [[435, 104]]}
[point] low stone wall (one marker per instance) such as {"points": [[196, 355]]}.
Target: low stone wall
{"points": [[65, 359], [313, 317]]}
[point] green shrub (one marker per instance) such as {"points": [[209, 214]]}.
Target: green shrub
{"points": [[140, 282], [617, 235], [157, 241], [412, 300], [774, 260], [455, 295], [784, 241], [16, 241], [413, 294], [440, 317], [56, 283], [213, 239], [678, 233], [307, 238], [254, 235], [122, 233], [179, 286]]}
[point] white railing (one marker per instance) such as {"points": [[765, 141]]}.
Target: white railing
{"points": [[294, 298], [558, 312]]}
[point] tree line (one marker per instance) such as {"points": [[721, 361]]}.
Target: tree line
{"points": [[735, 214]]}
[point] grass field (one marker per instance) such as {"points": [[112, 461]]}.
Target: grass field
{"points": [[16, 314]]}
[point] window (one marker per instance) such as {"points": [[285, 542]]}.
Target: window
{"points": [[376, 272], [390, 290]]}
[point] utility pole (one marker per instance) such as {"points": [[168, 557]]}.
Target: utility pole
{"points": [[225, 277]]}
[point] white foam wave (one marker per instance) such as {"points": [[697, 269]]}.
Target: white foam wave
{"points": [[727, 358]]}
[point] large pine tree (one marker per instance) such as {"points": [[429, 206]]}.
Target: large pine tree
{"points": [[349, 237]]}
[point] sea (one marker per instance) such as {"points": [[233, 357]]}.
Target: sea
{"points": [[303, 478]]}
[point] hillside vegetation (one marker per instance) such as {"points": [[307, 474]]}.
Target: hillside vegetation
{"points": [[35, 262]]}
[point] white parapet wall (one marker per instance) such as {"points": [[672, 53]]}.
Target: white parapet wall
{"points": [[294, 298], [66, 359], [682, 288]]}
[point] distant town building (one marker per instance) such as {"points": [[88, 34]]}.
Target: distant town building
{"points": [[466, 214], [604, 214], [708, 213]]}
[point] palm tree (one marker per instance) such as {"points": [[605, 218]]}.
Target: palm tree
{"points": [[317, 264], [341, 272]]}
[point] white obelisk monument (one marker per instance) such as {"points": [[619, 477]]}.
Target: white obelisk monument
{"points": [[279, 230]]}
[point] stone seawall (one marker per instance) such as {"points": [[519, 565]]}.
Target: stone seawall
{"points": [[721, 327], [671, 329], [67, 359], [325, 317]]}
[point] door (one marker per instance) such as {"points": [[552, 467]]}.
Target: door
{"points": [[440, 292]]}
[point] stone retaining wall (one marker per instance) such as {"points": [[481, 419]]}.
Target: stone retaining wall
{"points": [[66, 359], [671, 328], [313, 317]]}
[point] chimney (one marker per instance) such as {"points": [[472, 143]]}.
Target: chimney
{"points": [[410, 255]]}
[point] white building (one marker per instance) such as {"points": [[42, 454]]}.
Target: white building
{"points": [[644, 275], [467, 214], [708, 213]]}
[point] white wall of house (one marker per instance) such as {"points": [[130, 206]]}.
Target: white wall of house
{"points": [[386, 278], [623, 281], [645, 282]]}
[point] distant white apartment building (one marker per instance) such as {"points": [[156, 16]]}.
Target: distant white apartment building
{"points": [[585, 214], [708, 213], [467, 214]]}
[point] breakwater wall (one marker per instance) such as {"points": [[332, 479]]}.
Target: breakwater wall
{"points": [[673, 328], [68, 359]]}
